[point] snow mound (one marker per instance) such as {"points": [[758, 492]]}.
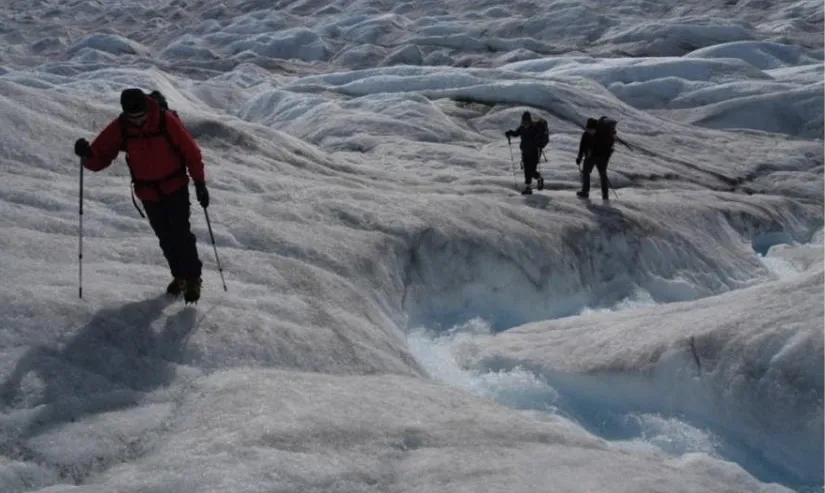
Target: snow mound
{"points": [[657, 38], [660, 92], [298, 43], [406, 55], [187, 51], [760, 54], [727, 92], [111, 44], [806, 74], [627, 70], [798, 112]]}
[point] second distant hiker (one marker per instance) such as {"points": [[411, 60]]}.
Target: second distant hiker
{"points": [[596, 147], [534, 137]]}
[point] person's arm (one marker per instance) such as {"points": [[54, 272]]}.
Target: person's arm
{"points": [[582, 147], [188, 147], [105, 147]]}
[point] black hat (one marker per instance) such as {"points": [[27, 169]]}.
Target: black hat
{"points": [[133, 101], [592, 123], [526, 117]]}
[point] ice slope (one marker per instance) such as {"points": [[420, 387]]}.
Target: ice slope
{"points": [[355, 199], [713, 376], [746, 362], [261, 430]]}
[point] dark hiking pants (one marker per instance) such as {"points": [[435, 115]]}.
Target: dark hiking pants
{"points": [[169, 219], [530, 162], [601, 165]]}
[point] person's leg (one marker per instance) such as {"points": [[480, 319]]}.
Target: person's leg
{"points": [[603, 181], [587, 168], [159, 221], [530, 162], [183, 244], [528, 174]]}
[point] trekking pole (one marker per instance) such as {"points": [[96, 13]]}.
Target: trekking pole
{"points": [[217, 260], [80, 237]]}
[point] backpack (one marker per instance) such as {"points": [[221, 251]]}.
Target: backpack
{"points": [[606, 130], [543, 133], [161, 100], [164, 107]]}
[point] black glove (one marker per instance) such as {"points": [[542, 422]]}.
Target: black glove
{"points": [[202, 194], [578, 161], [82, 148]]}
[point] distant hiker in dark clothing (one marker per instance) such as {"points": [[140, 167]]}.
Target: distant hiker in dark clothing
{"points": [[534, 136], [159, 152], [596, 147]]}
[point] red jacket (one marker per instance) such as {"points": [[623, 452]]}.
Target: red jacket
{"points": [[150, 155]]}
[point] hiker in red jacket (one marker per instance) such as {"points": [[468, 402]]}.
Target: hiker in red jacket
{"points": [[159, 152]]}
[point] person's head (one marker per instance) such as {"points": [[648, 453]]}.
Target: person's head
{"points": [[526, 118], [135, 106], [591, 125]]}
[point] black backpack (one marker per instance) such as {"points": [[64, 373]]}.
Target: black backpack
{"points": [[606, 130], [164, 107], [161, 100], [543, 133]]}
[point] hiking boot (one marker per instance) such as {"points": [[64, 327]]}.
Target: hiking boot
{"points": [[527, 191], [540, 183], [193, 290], [176, 287], [582, 195]]}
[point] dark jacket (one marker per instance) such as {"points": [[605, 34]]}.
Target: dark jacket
{"points": [[529, 134], [585, 146]]}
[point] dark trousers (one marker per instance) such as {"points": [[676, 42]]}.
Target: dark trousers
{"points": [[600, 164], [530, 162], [169, 219]]}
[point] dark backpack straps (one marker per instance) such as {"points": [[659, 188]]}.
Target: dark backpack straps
{"points": [[162, 129], [134, 202], [124, 137]]}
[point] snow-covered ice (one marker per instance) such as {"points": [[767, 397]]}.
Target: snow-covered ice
{"points": [[399, 318]]}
